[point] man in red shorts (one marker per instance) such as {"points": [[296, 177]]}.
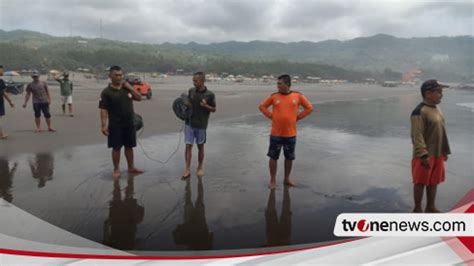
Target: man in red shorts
{"points": [[430, 145]]}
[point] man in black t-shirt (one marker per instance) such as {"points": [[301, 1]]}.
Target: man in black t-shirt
{"points": [[116, 106]]}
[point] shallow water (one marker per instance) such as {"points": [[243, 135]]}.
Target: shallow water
{"points": [[351, 157]]}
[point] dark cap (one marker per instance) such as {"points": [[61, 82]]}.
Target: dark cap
{"points": [[431, 84], [35, 74]]}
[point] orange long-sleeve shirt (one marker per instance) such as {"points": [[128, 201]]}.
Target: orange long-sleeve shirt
{"points": [[284, 114]]}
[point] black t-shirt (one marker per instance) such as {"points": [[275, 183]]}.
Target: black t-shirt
{"points": [[119, 105], [200, 116], [2, 101]]}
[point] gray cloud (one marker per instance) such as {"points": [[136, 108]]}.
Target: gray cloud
{"points": [[244, 20]]}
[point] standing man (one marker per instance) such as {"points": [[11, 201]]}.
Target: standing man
{"points": [[3, 95], [41, 101], [203, 103], [116, 106], [430, 145], [285, 114], [66, 92]]}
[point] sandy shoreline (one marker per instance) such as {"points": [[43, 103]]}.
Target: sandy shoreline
{"points": [[233, 100]]}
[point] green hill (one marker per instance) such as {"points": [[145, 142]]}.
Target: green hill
{"points": [[380, 56]]}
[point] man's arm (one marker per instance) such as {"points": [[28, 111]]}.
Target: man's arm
{"points": [[27, 97], [135, 95], [47, 92], [211, 106], [103, 121], [417, 129], [307, 107], [8, 100], [263, 107], [206, 106]]}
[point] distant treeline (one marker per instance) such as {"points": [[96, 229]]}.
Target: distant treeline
{"points": [[379, 57]]}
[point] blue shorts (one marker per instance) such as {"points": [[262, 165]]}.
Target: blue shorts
{"points": [[194, 135], [276, 143], [39, 108]]}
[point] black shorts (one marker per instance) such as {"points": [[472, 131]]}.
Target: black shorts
{"points": [[276, 143], [39, 108], [122, 136]]}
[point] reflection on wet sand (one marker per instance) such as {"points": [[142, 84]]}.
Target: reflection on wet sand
{"points": [[278, 231], [42, 168], [6, 179], [194, 232], [120, 228]]}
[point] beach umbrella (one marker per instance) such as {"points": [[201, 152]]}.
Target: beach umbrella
{"points": [[54, 72], [11, 74]]}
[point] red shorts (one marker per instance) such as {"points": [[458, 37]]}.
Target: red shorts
{"points": [[431, 176]]}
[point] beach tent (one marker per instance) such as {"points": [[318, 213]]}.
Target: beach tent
{"points": [[11, 74]]}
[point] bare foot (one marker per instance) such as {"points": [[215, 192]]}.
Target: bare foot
{"points": [[71, 115], [135, 171], [51, 129], [417, 210], [186, 175], [200, 172], [116, 174], [290, 183], [432, 210], [272, 185], [38, 130], [5, 136]]}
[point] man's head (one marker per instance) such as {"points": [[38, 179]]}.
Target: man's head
{"points": [[35, 75], [432, 91], [1, 70], [284, 83], [66, 75], [116, 75], [198, 79]]}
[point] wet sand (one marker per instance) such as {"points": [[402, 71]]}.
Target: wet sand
{"points": [[353, 155], [234, 100]]}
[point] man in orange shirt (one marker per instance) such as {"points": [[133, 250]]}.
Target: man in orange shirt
{"points": [[284, 115]]}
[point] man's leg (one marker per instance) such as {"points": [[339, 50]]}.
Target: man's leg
{"points": [[130, 161], [47, 116], [418, 190], [274, 150], [289, 152], [38, 124], [116, 162], [50, 128], [187, 158], [431, 197], [200, 170], [273, 164], [70, 109], [64, 108], [2, 134], [129, 141], [288, 166]]}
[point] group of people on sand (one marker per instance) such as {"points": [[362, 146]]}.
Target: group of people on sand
{"points": [[39, 93], [117, 114], [428, 132]]}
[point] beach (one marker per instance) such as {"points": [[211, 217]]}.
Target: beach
{"points": [[353, 155]]}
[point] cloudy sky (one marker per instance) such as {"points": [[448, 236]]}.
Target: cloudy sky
{"points": [[206, 21]]}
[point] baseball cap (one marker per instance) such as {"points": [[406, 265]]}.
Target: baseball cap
{"points": [[431, 84], [35, 74]]}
